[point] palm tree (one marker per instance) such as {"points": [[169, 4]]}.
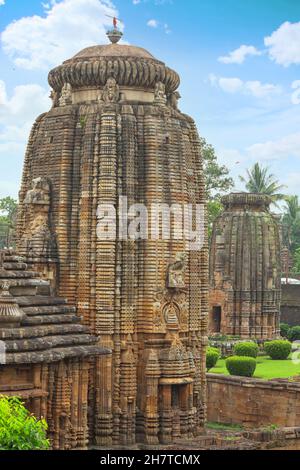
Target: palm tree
{"points": [[261, 181], [291, 222]]}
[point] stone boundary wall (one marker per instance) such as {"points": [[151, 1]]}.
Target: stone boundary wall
{"points": [[253, 402]]}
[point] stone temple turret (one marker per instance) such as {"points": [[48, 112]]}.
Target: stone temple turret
{"points": [[245, 269], [114, 131]]}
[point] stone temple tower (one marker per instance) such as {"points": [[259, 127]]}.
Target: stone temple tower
{"points": [[245, 269], [115, 131]]}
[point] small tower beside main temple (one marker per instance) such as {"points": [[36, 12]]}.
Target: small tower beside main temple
{"points": [[115, 131], [245, 269]]}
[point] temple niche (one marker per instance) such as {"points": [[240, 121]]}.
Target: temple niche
{"points": [[245, 269], [115, 130]]}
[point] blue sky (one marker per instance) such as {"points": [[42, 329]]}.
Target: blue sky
{"points": [[239, 63]]}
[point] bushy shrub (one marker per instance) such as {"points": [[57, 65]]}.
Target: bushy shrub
{"points": [[278, 349], [294, 333], [241, 365], [284, 329], [19, 430], [212, 357], [248, 348]]}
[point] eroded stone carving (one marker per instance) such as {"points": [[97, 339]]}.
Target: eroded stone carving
{"points": [[55, 98], [40, 192], [66, 95], [160, 96], [173, 99], [176, 270], [111, 92], [37, 240]]}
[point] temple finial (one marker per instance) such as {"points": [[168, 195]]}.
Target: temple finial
{"points": [[114, 35]]}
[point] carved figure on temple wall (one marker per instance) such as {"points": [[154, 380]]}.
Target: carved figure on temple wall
{"points": [[55, 98], [40, 192], [160, 96], [176, 271], [173, 100], [37, 239], [111, 92], [66, 95]]}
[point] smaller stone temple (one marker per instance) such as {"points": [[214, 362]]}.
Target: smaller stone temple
{"points": [[245, 269]]}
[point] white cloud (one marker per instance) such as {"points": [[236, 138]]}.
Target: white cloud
{"points": [[17, 113], [2, 2], [239, 55], [279, 154], [251, 87], [259, 90], [136, 2], [26, 102], [230, 85], [295, 98], [288, 146], [284, 44], [40, 42], [152, 23]]}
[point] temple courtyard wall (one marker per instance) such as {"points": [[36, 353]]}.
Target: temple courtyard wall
{"points": [[290, 304], [253, 403]]}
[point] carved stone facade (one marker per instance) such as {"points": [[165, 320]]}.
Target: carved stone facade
{"points": [[245, 269], [147, 300]]}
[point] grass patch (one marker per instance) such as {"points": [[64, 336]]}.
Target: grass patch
{"points": [[224, 426], [266, 368]]}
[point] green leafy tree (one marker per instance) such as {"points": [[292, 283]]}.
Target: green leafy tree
{"points": [[9, 206], [217, 179], [259, 180], [296, 263], [8, 211], [19, 430], [214, 210], [291, 223]]}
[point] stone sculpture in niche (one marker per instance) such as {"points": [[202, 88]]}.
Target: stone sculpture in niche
{"points": [[37, 239], [160, 96], [55, 98], [66, 95], [111, 92], [176, 271], [173, 100]]}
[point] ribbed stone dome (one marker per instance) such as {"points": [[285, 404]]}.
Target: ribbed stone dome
{"points": [[130, 65], [112, 50], [246, 199]]}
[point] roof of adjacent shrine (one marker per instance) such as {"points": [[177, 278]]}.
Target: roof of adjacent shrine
{"points": [[35, 326], [246, 199]]}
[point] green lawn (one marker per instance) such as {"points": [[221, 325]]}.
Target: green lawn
{"points": [[266, 368]]}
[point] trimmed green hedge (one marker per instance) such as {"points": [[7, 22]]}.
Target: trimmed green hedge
{"points": [[284, 329], [294, 333], [247, 348], [278, 349], [241, 365], [212, 357]]}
